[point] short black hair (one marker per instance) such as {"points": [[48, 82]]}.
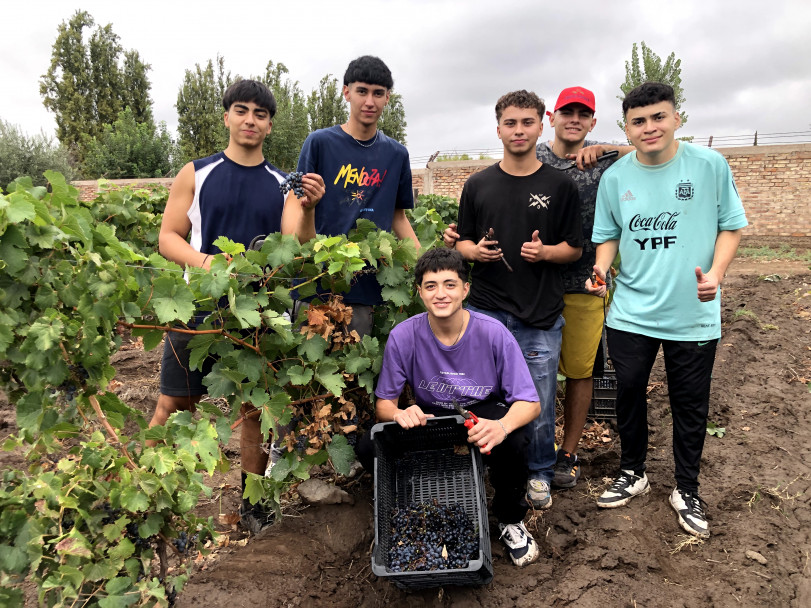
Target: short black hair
{"points": [[250, 90], [441, 258], [648, 94], [368, 69], [520, 99]]}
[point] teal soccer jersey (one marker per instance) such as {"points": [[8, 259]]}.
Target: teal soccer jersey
{"points": [[666, 218]]}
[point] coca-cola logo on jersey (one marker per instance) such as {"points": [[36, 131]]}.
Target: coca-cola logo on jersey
{"points": [[664, 221]]}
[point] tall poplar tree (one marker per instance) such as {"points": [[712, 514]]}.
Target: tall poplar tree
{"points": [[90, 80], [393, 121], [290, 125], [201, 131], [652, 69], [326, 105]]}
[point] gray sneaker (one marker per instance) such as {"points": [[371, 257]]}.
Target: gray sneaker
{"points": [[539, 494], [623, 489]]}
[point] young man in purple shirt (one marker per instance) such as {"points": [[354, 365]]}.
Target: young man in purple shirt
{"points": [[451, 354]]}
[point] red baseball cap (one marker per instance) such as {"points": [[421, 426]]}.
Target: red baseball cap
{"points": [[575, 95]]}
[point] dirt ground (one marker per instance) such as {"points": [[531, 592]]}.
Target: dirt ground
{"points": [[755, 480]]}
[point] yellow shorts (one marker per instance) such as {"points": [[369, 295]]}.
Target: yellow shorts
{"points": [[584, 316]]}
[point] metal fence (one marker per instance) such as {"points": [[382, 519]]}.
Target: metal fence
{"points": [[712, 141]]}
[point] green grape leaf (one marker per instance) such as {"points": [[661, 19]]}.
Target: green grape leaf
{"points": [[253, 488], [399, 295], [20, 208], [341, 454], [172, 299], [299, 375], [228, 246], [313, 348], [329, 376], [356, 362], [133, 499]]}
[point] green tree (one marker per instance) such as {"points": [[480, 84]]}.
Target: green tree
{"points": [[128, 148], [201, 131], [21, 155], [326, 106], [135, 92], [290, 125], [393, 121], [652, 69], [86, 85]]}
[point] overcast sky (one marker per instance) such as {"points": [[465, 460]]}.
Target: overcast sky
{"points": [[746, 65]]}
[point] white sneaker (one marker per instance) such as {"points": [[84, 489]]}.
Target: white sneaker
{"points": [[521, 546], [690, 509], [623, 489]]}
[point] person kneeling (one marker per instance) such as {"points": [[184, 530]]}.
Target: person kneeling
{"points": [[451, 355]]}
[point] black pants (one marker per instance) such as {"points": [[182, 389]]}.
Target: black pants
{"points": [[689, 370], [507, 464]]}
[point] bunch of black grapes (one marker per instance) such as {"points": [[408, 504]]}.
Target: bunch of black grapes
{"points": [[183, 541], [430, 536], [131, 532], [293, 182]]}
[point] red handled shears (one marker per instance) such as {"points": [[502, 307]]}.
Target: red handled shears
{"points": [[471, 419]]}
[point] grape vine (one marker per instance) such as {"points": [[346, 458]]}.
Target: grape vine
{"points": [[92, 518]]}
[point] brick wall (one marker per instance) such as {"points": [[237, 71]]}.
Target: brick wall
{"points": [[775, 185], [88, 189], [773, 181]]}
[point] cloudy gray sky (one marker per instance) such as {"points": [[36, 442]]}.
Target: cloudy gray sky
{"points": [[746, 65]]}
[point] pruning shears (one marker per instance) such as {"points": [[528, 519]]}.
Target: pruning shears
{"points": [[596, 280], [490, 235], [471, 419]]}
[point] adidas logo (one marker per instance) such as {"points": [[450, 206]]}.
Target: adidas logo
{"points": [[628, 196]]}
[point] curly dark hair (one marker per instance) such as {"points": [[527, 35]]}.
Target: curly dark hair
{"points": [[249, 90], [368, 69], [438, 259], [648, 94], [520, 99]]}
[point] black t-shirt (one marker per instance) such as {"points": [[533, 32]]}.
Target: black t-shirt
{"points": [[516, 206]]}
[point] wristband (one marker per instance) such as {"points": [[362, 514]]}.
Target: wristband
{"points": [[503, 429], [208, 255]]}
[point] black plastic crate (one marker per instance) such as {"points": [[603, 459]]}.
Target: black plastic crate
{"points": [[604, 396], [421, 465]]}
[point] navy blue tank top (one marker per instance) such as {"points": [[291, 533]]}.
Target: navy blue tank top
{"points": [[234, 201]]}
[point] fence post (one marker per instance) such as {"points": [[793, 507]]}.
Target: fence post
{"points": [[709, 144], [755, 139]]}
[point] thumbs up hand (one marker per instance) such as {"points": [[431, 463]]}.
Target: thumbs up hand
{"points": [[533, 250], [707, 285]]}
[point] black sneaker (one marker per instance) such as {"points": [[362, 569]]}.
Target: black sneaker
{"points": [[625, 487], [690, 509], [567, 470], [254, 518]]}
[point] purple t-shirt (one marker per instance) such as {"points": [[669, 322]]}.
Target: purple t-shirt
{"points": [[487, 360]]}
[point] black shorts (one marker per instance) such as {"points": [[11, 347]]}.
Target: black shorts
{"points": [[177, 380]]}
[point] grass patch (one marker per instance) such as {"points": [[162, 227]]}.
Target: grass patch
{"points": [[784, 252]]}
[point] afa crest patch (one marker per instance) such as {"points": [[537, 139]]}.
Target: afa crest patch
{"points": [[684, 191]]}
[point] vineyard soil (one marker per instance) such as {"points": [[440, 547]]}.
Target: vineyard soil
{"points": [[756, 480]]}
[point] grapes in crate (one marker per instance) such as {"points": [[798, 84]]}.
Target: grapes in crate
{"points": [[430, 536]]}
